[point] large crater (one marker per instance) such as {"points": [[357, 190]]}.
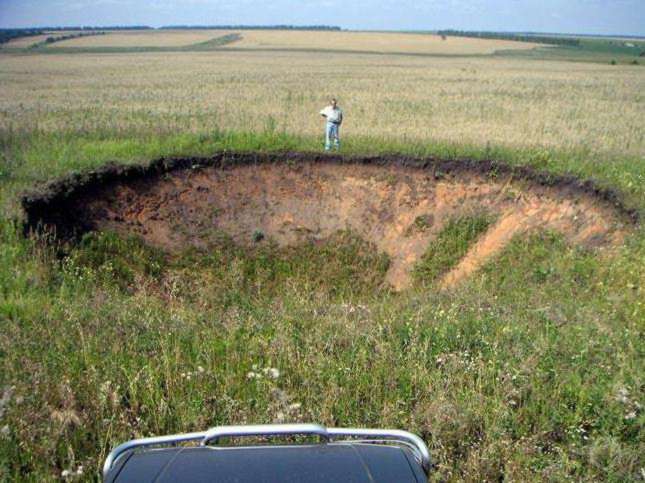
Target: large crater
{"points": [[398, 204]]}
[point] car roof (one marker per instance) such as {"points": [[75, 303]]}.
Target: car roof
{"points": [[318, 463]]}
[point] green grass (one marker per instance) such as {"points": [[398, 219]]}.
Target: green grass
{"points": [[117, 259], [595, 50], [342, 264], [531, 370], [450, 246], [216, 42]]}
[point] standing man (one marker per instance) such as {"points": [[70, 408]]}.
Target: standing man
{"points": [[334, 116]]}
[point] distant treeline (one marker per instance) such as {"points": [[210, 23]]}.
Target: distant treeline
{"points": [[9, 34], [90, 27], [592, 36], [250, 27], [60, 38], [23, 32], [540, 39]]}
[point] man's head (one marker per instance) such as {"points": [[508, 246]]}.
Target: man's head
{"points": [[333, 102]]}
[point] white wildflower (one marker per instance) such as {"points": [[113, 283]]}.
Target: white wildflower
{"points": [[200, 369], [622, 395], [294, 406], [273, 372], [630, 415]]}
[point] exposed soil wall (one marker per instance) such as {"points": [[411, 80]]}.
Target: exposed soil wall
{"points": [[397, 203]]}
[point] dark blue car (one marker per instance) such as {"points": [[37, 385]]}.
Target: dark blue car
{"points": [[308, 453]]}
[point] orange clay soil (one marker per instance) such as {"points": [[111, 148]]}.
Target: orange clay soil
{"points": [[398, 208]]}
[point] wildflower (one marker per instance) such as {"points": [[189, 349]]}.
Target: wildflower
{"points": [[253, 375], [65, 473], [294, 406], [200, 369], [273, 373], [622, 395], [630, 415]]}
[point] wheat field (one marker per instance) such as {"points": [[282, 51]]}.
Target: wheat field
{"points": [[380, 42], [374, 42], [25, 42], [144, 38], [500, 101]]}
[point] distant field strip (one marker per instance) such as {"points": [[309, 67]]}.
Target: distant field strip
{"points": [[302, 40], [147, 38], [373, 42], [25, 42]]}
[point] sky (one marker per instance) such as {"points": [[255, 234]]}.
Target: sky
{"points": [[564, 16]]}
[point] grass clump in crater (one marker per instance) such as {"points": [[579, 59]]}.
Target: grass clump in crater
{"points": [[450, 246]]}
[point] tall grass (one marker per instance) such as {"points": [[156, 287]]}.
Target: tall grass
{"points": [[531, 371]]}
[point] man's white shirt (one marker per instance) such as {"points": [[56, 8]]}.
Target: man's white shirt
{"points": [[333, 115]]}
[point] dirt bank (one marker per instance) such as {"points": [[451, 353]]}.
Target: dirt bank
{"points": [[397, 203]]}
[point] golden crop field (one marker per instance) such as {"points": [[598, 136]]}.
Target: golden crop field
{"points": [[307, 40], [23, 42], [144, 38], [374, 42], [501, 101]]}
